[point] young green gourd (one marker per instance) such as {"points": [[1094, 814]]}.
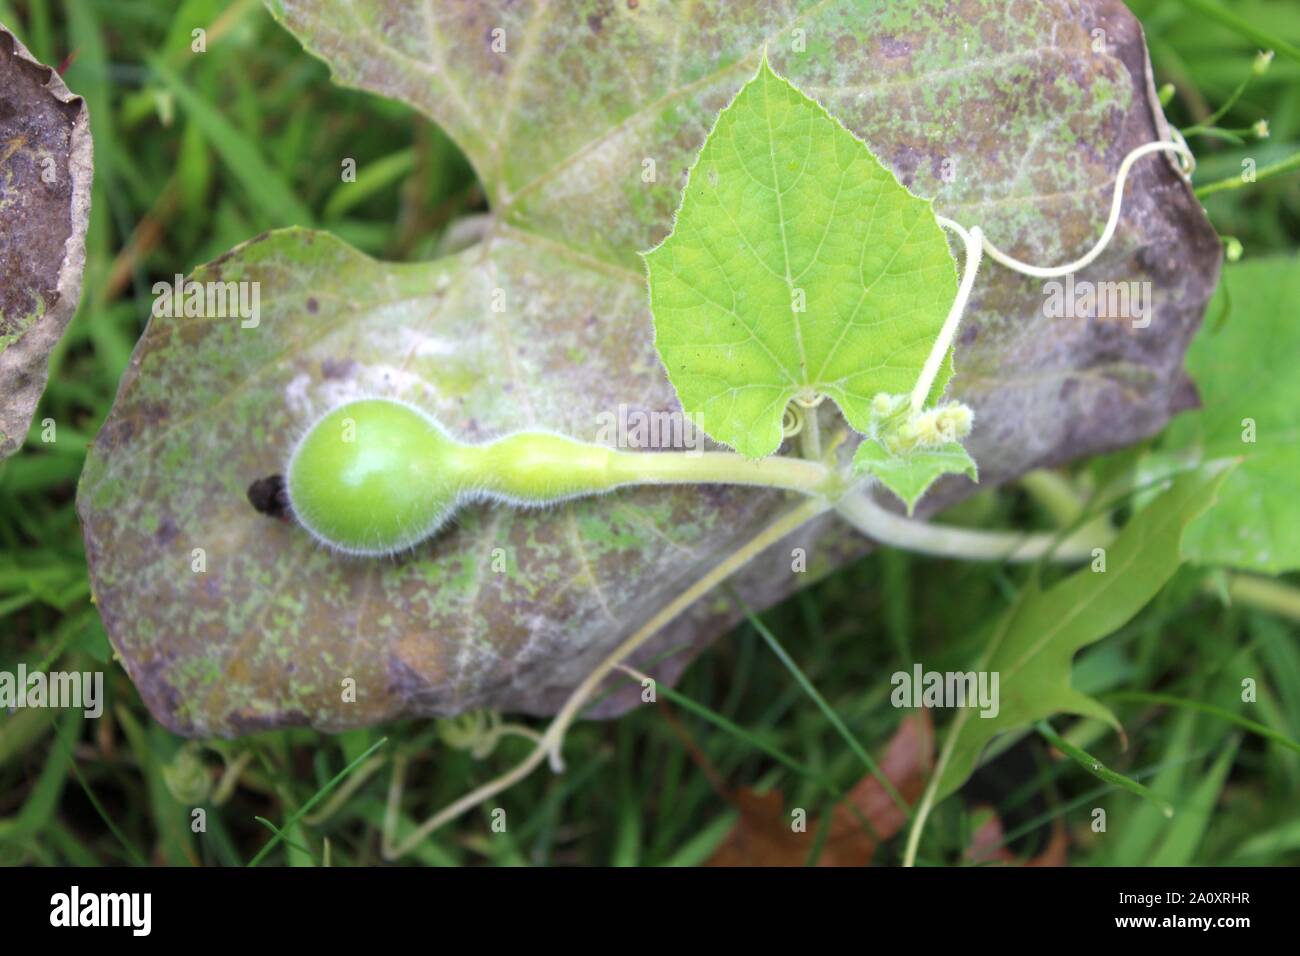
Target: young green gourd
{"points": [[376, 476]]}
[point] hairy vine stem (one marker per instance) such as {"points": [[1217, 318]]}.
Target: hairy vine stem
{"points": [[886, 527]]}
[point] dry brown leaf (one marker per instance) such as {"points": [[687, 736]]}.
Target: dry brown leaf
{"points": [[867, 817], [45, 175]]}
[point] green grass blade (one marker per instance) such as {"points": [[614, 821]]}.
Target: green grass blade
{"points": [[832, 717], [1244, 28], [136, 856], [317, 798], [373, 177], [1100, 770], [270, 195], [1179, 845], [1167, 699]]}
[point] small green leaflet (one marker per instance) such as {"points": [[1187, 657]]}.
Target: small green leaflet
{"points": [[908, 476], [1033, 645], [798, 265], [1245, 367]]}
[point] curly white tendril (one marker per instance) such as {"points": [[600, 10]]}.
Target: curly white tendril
{"points": [[1053, 272], [978, 245]]}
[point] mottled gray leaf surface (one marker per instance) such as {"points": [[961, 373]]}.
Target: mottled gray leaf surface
{"points": [[581, 119], [45, 173]]}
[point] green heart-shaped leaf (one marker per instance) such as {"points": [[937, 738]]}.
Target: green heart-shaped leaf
{"points": [[798, 266]]}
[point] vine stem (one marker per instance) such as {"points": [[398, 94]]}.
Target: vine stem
{"points": [[1265, 594], [926, 803], [1292, 162], [886, 527], [1208, 124], [931, 793], [715, 467], [1055, 494], [548, 747]]}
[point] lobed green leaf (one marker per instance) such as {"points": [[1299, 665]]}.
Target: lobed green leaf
{"points": [[1033, 645], [909, 476]]}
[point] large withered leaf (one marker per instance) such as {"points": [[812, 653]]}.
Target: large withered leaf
{"points": [[581, 119], [45, 174]]}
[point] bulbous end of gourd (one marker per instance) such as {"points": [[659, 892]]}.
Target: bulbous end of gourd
{"points": [[375, 476]]}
